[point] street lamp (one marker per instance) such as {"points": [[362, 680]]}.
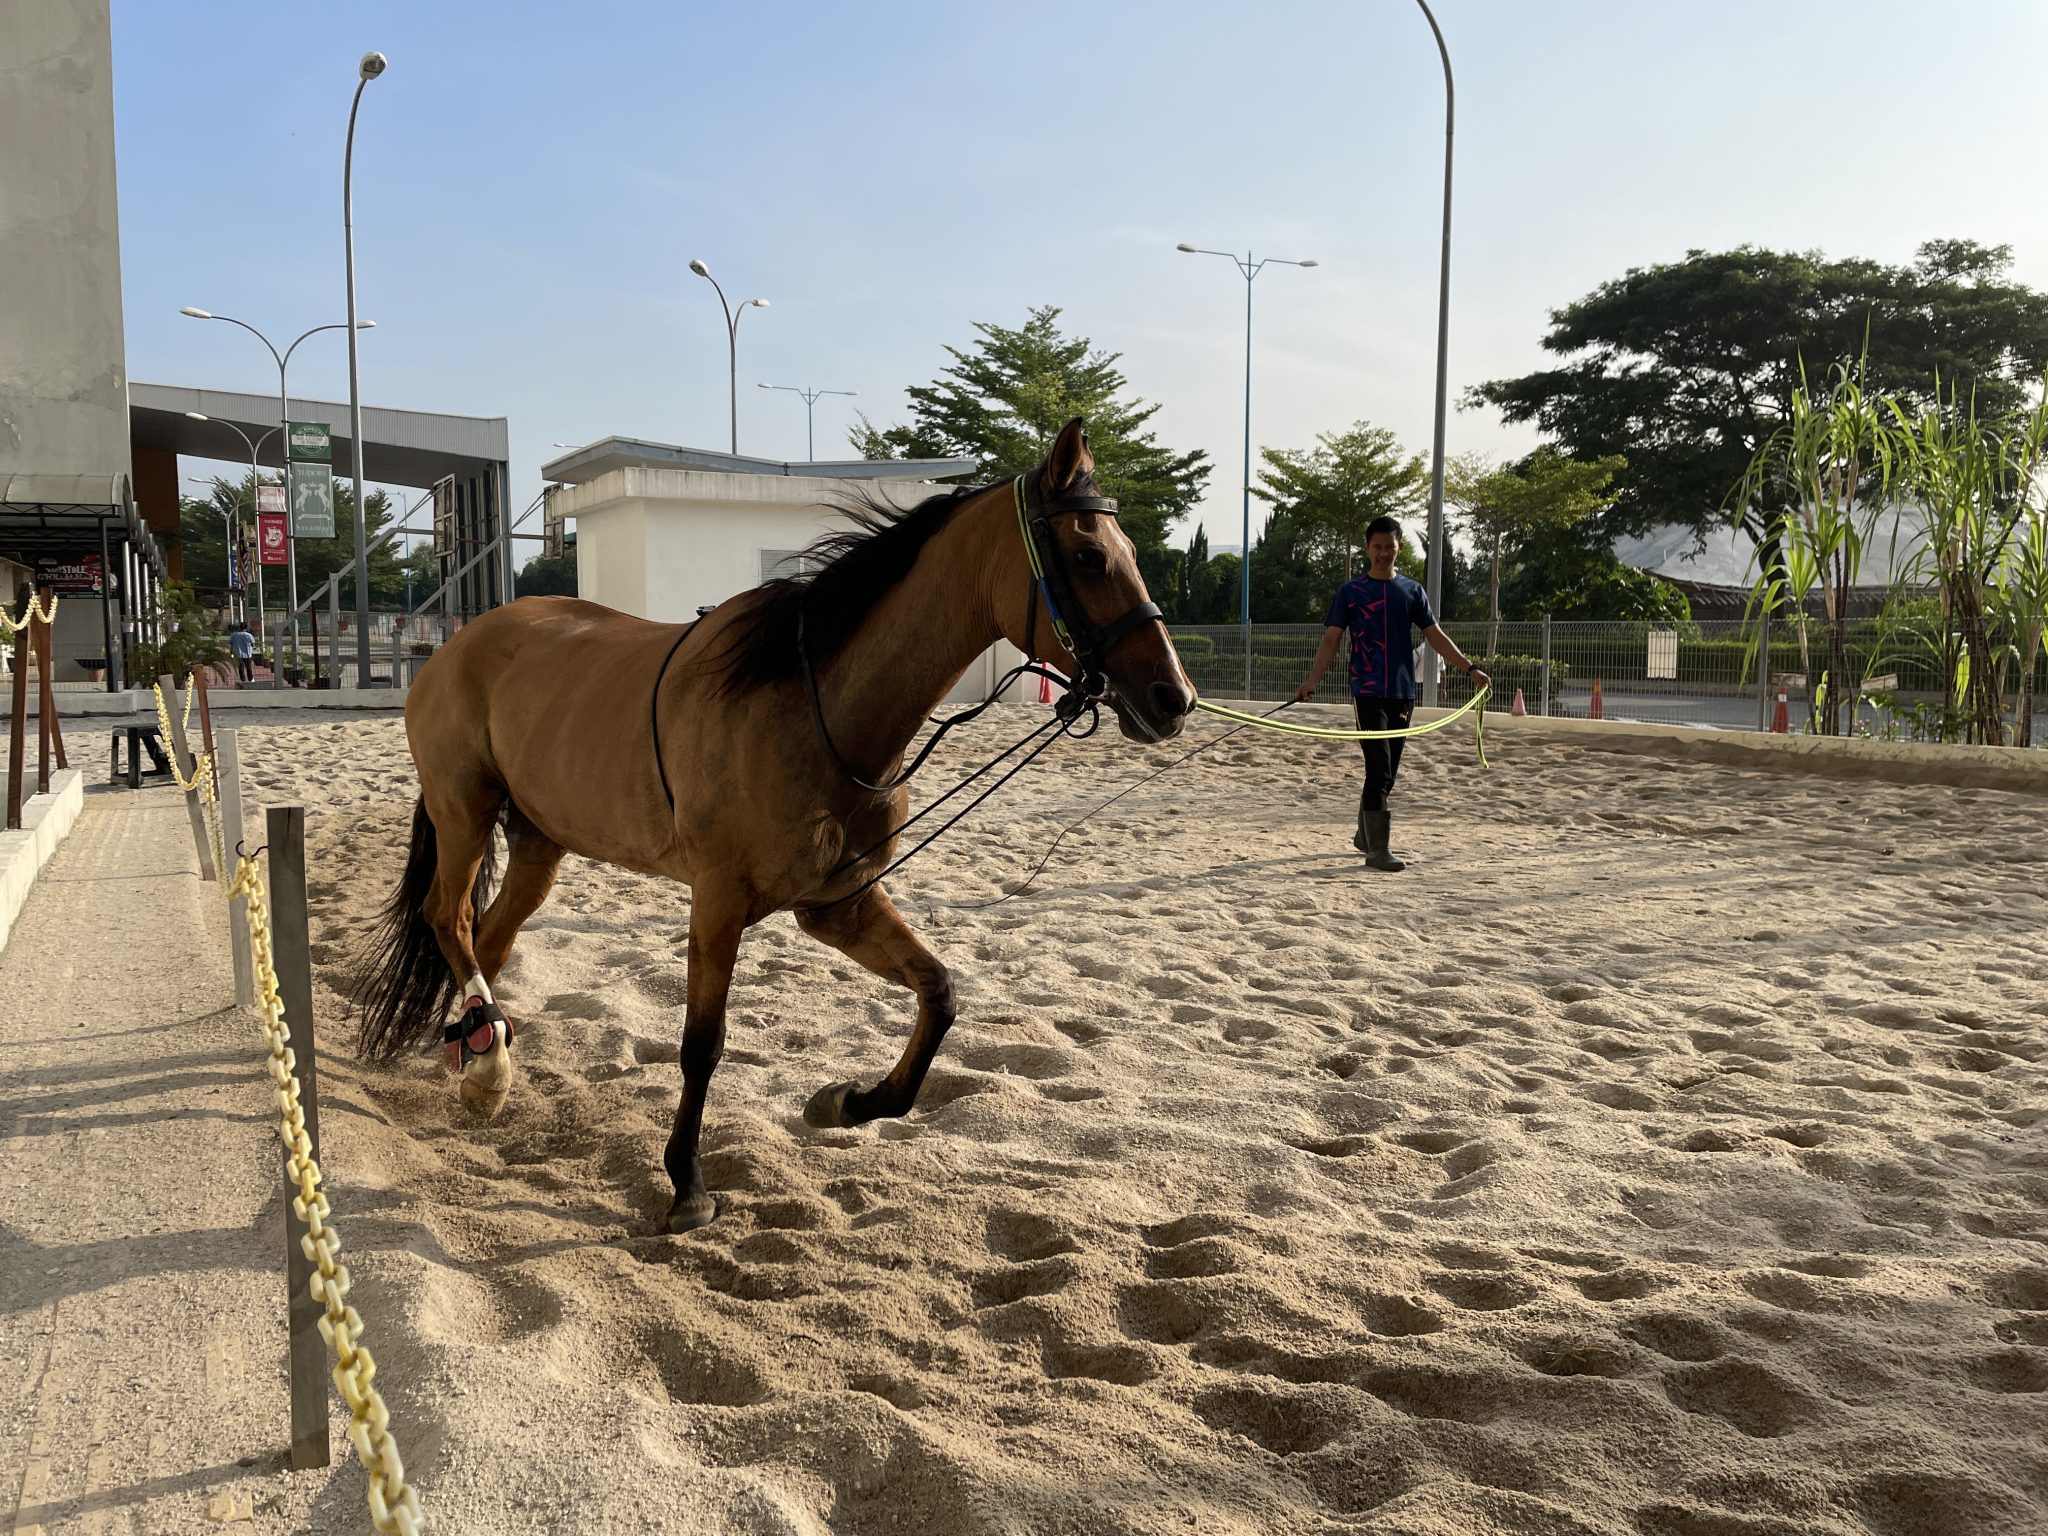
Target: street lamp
{"points": [[1432, 670], [283, 411], [370, 67], [732, 340], [1250, 269], [255, 478], [810, 398]]}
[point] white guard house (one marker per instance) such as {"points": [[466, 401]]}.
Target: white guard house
{"points": [[666, 532]]}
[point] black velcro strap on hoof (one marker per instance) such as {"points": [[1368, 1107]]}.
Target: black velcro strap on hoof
{"points": [[473, 1033]]}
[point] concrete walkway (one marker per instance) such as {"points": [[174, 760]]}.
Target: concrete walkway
{"points": [[142, 1340]]}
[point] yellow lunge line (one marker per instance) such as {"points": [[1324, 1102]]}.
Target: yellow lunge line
{"points": [[394, 1507], [1474, 706]]}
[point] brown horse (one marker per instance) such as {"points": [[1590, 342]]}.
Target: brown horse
{"points": [[750, 757]]}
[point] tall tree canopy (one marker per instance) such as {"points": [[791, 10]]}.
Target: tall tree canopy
{"points": [[1501, 507], [1688, 368], [1005, 399], [1335, 489], [203, 522]]}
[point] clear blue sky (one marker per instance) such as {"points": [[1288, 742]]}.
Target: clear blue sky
{"points": [[531, 180]]}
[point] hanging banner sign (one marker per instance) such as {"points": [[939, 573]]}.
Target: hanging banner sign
{"points": [[80, 574], [270, 540], [270, 498], [312, 487], [309, 442]]}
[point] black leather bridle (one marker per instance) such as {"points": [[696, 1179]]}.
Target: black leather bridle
{"points": [[1088, 642]]}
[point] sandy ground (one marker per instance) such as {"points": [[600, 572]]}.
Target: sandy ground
{"points": [[1663, 1156]]}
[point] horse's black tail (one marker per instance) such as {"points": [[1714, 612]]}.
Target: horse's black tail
{"points": [[405, 985]]}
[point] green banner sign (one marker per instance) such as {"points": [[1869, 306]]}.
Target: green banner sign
{"points": [[309, 442], [312, 488]]}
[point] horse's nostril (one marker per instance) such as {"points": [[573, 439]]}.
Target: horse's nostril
{"points": [[1171, 701]]}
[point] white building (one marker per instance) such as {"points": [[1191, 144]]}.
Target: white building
{"points": [[666, 532]]}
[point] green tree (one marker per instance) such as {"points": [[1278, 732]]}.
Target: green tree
{"points": [[1006, 397], [203, 522], [547, 576], [1335, 489], [1688, 368], [1295, 572], [1499, 506], [1572, 573]]}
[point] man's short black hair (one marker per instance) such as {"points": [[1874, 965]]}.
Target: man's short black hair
{"points": [[1383, 524]]}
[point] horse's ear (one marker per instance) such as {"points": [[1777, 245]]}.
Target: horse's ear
{"points": [[1069, 459]]}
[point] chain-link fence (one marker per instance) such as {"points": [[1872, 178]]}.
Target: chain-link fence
{"points": [[1702, 674]]}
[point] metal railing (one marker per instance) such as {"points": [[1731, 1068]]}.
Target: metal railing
{"points": [[1701, 674]]}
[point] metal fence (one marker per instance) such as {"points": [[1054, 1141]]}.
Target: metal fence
{"points": [[1702, 674]]}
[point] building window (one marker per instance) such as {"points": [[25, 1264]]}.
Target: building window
{"points": [[778, 563]]}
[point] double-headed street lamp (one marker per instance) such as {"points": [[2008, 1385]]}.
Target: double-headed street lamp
{"points": [[732, 340], [282, 359], [810, 398], [367, 69], [1250, 269]]}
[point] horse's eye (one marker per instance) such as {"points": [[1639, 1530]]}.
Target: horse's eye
{"points": [[1090, 560]]}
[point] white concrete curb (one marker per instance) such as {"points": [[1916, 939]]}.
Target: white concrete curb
{"points": [[137, 701], [44, 821]]}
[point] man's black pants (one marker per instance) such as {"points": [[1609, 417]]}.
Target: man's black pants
{"points": [[245, 669], [1382, 757]]}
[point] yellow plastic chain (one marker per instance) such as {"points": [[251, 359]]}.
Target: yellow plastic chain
{"points": [[1332, 733], [394, 1507], [29, 615], [202, 770]]}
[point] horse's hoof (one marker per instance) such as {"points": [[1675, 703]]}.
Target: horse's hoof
{"points": [[485, 1101], [691, 1212], [827, 1109]]}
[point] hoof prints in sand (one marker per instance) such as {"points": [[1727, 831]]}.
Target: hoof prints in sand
{"points": [[1531, 1191]]}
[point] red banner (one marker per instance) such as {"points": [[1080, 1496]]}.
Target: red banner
{"points": [[270, 539]]}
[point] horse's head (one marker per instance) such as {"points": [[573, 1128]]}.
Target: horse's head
{"points": [[1087, 612]]}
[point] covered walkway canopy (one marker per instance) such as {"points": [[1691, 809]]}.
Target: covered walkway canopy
{"points": [[465, 460], [83, 532]]}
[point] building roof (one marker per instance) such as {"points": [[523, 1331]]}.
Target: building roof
{"points": [[584, 464], [63, 514], [414, 448]]}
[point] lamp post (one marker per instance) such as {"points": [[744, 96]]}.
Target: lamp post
{"points": [[255, 477], [1251, 270], [368, 69], [810, 398], [1432, 667], [732, 340], [282, 359]]}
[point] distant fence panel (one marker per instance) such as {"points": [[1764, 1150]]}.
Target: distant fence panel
{"points": [[1693, 673]]}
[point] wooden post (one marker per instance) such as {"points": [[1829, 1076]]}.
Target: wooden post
{"points": [[228, 781], [185, 763], [205, 711], [15, 745], [291, 953], [46, 704]]}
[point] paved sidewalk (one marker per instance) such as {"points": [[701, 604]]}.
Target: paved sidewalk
{"points": [[142, 1340]]}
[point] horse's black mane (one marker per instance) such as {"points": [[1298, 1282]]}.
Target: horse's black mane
{"points": [[848, 574]]}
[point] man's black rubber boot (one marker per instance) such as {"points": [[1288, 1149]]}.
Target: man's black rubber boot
{"points": [[1378, 827], [1358, 838]]}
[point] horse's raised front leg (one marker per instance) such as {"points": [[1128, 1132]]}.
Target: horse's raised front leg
{"points": [[717, 919], [871, 931]]}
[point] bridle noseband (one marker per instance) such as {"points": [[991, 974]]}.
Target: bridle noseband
{"points": [[1088, 643]]}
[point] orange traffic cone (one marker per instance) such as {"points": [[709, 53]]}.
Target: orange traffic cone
{"points": [[1519, 707], [1599, 710], [1781, 722], [1044, 689]]}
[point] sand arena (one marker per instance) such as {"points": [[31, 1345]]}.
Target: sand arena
{"points": [[1661, 1157]]}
